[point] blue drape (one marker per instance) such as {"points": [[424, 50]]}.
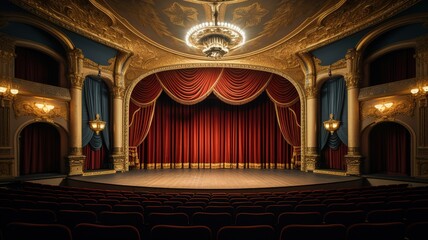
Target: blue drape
{"points": [[334, 100], [95, 99]]}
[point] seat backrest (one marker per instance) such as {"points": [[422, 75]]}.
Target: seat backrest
{"points": [[388, 215], [214, 221], [135, 219], [319, 231], [345, 217], [71, 218], [168, 232], [248, 219], [417, 231], [256, 232], [299, 218], [180, 219], [90, 231], [21, 230], [36, 215], [376, 231], [249, 209], [128, 208]]}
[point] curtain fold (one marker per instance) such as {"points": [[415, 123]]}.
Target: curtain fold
{"points": [[189, 86], [95, 100], [240, 86], [333, 99]]}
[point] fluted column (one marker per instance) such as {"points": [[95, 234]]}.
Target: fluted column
{"points": [[118, 155], [421, 56], [312, 156], [7, 61], [75, 158], [352, 78]]}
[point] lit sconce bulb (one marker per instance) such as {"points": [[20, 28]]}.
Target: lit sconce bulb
{"points": [[414, 91], [14, 91], [425, 88], [3, 89]]}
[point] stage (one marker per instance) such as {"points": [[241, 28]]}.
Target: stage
{"points": [[215, 180]]}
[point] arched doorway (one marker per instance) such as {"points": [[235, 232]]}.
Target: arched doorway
{"points": [[40, 149], [389, 149]]}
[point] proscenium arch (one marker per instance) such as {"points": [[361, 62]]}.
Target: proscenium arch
{"points": [[131, 87], [365, 133], [64, 135]]}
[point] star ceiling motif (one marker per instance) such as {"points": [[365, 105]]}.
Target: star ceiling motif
{"points": [[181, 15], [249, 16]]}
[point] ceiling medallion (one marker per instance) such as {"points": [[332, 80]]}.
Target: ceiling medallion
{"points": [[215, 39]]}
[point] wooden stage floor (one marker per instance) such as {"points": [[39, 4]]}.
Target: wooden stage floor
{"points": [[214, 179]]}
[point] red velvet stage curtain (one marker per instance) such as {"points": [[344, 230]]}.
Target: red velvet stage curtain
{"points": [[233, 86], [334, 158], [95, 159], [390, 149], [287, 104], [39, 149], [141, 109], [35, 66], [213, 134]]}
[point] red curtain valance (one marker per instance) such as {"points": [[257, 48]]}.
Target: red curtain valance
{"points": [[233, 86]]}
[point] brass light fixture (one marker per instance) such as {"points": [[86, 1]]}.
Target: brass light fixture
{"points": [[7, 91], [46, 108], [381, 107], [97, 125], [419, 91], [215, 39], [331, 125]]}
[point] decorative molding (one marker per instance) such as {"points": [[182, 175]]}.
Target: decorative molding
{"points": [[26, 107], [388, 89], [75, 151], [6, 167], [353, 164], [88, 63], [402, 105], [118, 92], [76, 164]]}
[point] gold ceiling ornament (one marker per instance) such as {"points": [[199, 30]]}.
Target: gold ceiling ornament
{"points": [[97, 125], [331, 124], [215, 38]]}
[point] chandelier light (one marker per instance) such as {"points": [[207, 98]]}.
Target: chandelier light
{"points": [[215, 39], [331, 125], [97, 125]]}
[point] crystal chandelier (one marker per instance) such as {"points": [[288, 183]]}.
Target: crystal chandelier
{"points": [[215, 39]]}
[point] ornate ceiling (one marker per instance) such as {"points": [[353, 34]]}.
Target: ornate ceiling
{"points": [[153, 30]]}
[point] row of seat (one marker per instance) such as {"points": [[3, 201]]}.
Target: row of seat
{"points": [[87, 231]]}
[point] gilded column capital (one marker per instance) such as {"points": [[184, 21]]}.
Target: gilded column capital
{"points": [[76, 81], [7, 45], [311, 91], [352, 80], [118, 92]]}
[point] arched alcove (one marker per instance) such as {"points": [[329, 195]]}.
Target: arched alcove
{"points": [[389, 149], [39, 149]]}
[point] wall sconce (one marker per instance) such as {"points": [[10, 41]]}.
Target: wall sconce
{"points": [[331, 125], [46, 108], [7, 92], [383, 106], [97, 125], [420, 91]]}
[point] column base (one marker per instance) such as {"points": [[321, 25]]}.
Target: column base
{"points": [[118, 162], [311, 162], [76, 164], [353, 164]]}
